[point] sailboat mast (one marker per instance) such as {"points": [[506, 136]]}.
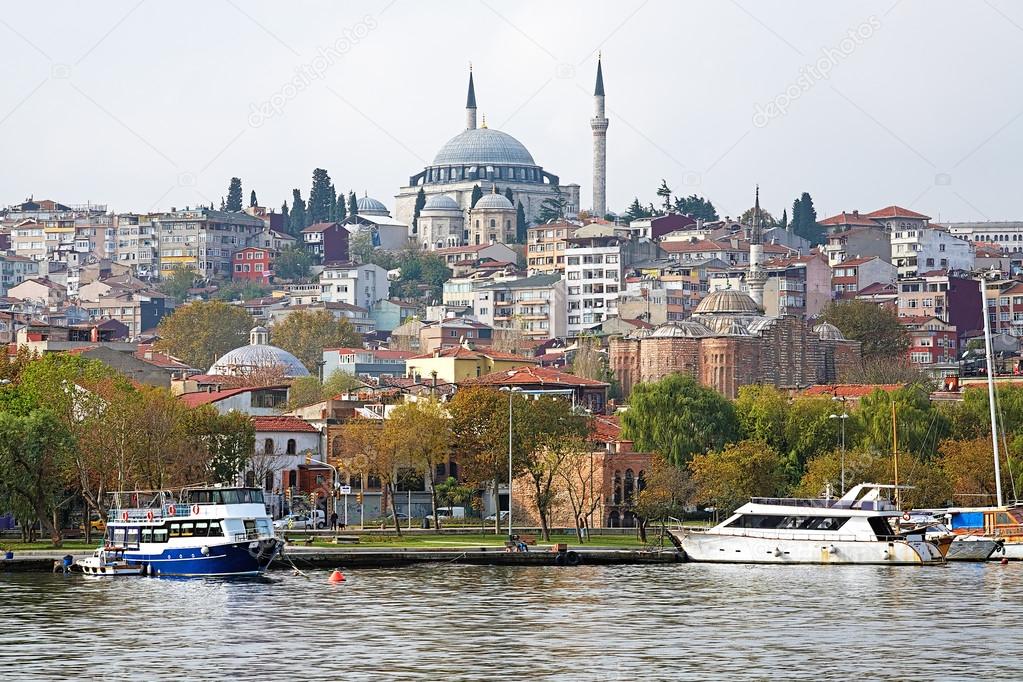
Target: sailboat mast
{"points": [[895, 457], [991, 387]]}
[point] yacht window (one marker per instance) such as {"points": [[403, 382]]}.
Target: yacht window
{"points": [[118, 536], [256, 496], [175, 530], [147, 535], [756, 521], [159, 535], [132, 538], [201, 529], [187, 530], [880, 526], [215, 531]]}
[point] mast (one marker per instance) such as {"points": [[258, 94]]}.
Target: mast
{"points": [[991, 387], [895, 457]]}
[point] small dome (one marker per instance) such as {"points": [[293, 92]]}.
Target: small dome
{"points": [[244, 360], [495, 202], [441, 202], [483, 146], [736, 328], [370, 206], [727, 301], [828, 332], [685, 329]]}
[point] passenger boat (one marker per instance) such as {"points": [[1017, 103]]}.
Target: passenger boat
{"points": [[1002, 526], [853, 529], [201, 531], [966, 544], [108, 561]]}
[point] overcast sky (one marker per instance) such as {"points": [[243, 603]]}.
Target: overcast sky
{"points": [[148, 105]]}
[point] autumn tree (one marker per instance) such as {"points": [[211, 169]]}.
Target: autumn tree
{"points": [[579, 485], [928, 483], [729, 477], [668, 490], [371, 441], [198, 333], [305, 333], [177, 282], [677, 417], [224, 443], [876, 327], [422, 434], [969, 466]]}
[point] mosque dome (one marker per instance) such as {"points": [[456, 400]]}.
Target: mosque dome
{"points": [[483, 146], [441, 202], [258, 354], [370, 206], [684, 329], [727, 301], [828, 332], [494, 201]]}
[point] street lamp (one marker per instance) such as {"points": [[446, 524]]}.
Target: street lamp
{"points": [[843, 417], [511, 391]]}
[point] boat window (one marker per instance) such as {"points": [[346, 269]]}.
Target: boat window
{"points": [[250, 527], [215, 531], [1003, 519], [756, 521], [228, 496], [147, 534], [175, 530], [131, 539], [256, 496], [264, 527], [159, 535], [201, 529], [880, 526], [118, 537], [187, 529]]}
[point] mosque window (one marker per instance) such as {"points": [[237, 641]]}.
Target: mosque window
{"points": [[493, 223]]}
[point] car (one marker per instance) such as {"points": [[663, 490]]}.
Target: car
{"points": [[449, 513], [493, 517], [301, 521], [99, 525]]}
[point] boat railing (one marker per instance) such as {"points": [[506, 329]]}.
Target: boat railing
{"points": [[822, 536], [247, 535], [795, 501]]}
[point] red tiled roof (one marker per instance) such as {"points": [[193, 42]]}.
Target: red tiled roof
{"points": [[916, 319], [206, 397], [636, 322], [283, 424], [844, 218], [896, 212], [877, 288], [530, 376], [317, 227], [857, 261], [849, 390], [606, 429]]}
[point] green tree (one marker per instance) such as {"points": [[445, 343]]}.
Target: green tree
{"points": [[422, 275], [477, 194], [353, 204], [292, 263], [876, 327], [728, 478], [761, 414], [809, 430], [635, 211], [553, 207], [252, 199], [241, 290], [224, 442], [677, 417], [420, 203], [695, 207], [306, 333], [177, 282], [520, 223], [664, 192], [424, 440], [234, 195], [804, 220], [297, 221], [340, 212], [321, 197], [920, 426], [198, 333], [784, 224], [285, 217], [766, 219], [509, 196]]}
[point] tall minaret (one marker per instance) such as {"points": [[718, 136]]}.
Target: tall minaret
{"points": [[599, 126], [757, 277], [470, 104]]}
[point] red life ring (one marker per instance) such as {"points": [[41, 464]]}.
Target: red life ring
{"points": [[171, 511], [124, 516], [149, 515], [195, 510], [906, 516]]}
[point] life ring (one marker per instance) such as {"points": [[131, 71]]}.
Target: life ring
{"points": [[149, 515], [572, 558], [560, 559], [124, 516], [171, 511], [195, 510], [906, 516]]}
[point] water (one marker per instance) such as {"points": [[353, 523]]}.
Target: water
{"points": [[465, 622]]}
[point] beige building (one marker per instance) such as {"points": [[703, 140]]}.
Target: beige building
{"points": [[545, 250]]}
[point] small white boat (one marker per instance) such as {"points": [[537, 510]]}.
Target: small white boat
{"points": [[853, 529], [108, 561]]}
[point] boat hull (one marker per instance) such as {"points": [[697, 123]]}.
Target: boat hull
{"points": [[974, 549], [724, 548], [245, 558], [1010, 549]]}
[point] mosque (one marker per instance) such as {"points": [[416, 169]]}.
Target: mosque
{"points": [[489, 158]]}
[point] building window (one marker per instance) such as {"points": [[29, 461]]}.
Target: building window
{"points": [[291, 446]]}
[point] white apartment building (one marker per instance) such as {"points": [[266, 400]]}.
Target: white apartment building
{"points": [[137, 243], [1007, 235], [14, 270], [919, 250], [358, 285], [593, 277], [533, 305]]}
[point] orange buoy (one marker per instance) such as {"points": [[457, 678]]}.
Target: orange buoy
{"points": [[1004, 561], [336, 577]]}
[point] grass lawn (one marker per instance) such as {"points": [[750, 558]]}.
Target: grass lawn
{"points": [[69, 545], [430, 541]]}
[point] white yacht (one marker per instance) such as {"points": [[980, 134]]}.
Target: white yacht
{"points": [[853, 529]]}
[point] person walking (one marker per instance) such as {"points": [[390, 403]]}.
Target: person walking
{"points": [[333, 521]]}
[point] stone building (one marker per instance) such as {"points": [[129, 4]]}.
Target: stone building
{"points": [[729, 343]]}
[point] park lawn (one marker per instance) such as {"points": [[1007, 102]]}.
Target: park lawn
{"points": [[43, 545], [431, 541]]}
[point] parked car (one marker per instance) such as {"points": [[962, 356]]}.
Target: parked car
{"points": [[493, 517], [301, 521], [449, 513]]}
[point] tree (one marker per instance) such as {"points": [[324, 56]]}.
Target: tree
{"points": [[353, 204], [695, 207], [285, 217], [636, 211], [477, 194], [422, 275], [876, 327], [224, 442], [305, 391], [321, 197], [298, 221], [340, 212], [784, 224], [420, 204], [766, 219], [177, 282], [863, 465], [293, 263], [198, 333], [809, 430], [520, 223], [371, 441], [969, 466], [677, 418], [804, 220], [422, 431], [509, 196], [668, 491], [35, 453], [553, 207], [253, 202], [575, 478], [885, 370], [234, 195], [590, 361], [728, 478], [223, 204], [920, 426], [241, 290], [664, 192], [760, 411], [332, 213], [306, 333]]}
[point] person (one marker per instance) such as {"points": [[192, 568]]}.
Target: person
{"points": [[333, 520]]}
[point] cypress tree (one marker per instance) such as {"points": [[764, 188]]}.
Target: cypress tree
{"points": [[508, 195], [287, 218], [297, 223], [353, 204], [223, 206], [340, 212], [477, 194], [234, 195], [252, 199], [320, 197], [784, 219], [333, 204], [520, 224], [420, 203], [664, 192]]}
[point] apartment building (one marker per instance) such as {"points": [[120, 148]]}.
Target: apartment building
{"points": [[203, 239], [14, 270], [358, 285], [951, 297], [848, 277], [545, 247], [919, 250], [532, 305], [137, 244]]}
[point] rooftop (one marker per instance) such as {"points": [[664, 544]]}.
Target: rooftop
{"points": [[547, 377], [283, 424]]}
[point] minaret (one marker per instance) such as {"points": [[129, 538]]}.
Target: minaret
{"points": [[470, 104], [757, 277], [599, 126]]}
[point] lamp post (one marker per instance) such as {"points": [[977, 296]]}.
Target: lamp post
{"points": [[309, 459], [842, 417], [511, 391]]}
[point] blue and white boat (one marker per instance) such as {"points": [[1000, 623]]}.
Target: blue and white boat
{"points": [[202, 531]]}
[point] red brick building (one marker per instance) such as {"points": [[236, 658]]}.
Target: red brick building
{"points": [[933, 341], [253, 264]]}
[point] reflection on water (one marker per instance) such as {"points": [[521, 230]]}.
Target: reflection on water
{"points": [[467, 622]]}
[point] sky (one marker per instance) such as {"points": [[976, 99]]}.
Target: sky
{"points": [[147, 105]]}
